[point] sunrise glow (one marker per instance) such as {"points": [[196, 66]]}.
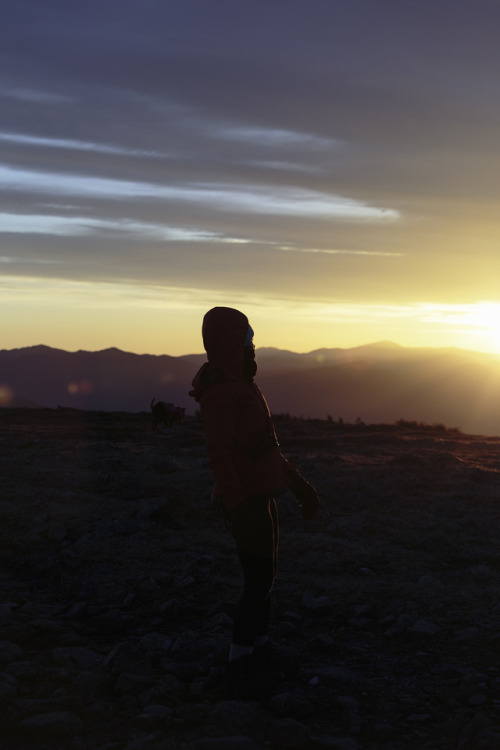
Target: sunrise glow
{"points": [[66, 312]]}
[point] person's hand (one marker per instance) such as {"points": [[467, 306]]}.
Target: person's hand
{"points": [[305, 494]]}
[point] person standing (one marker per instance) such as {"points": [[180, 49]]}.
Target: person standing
{"points": [[249, 470]]}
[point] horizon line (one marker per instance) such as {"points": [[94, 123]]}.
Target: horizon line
{"points": [[372, 344]]}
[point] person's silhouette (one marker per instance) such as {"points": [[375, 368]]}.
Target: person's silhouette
{"points": [[250, 472]]}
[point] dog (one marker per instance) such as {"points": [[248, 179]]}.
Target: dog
{"points": [[166, 413]]}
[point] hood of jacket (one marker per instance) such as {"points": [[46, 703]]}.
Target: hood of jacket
{"points": [[224, 332]]}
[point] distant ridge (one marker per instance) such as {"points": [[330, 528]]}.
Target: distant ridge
{"points": [[107, 380], [377, 348], [375, 383]]}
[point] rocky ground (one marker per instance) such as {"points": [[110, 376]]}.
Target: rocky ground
{"points": [[118, 580]]}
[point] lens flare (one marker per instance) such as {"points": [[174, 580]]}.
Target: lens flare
{"points": [[6, 395], [81, 388]]}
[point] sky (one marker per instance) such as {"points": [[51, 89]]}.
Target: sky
{"points": [[329, 167]]}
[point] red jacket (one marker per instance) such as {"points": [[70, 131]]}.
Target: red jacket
{"points": [[241, 442]]}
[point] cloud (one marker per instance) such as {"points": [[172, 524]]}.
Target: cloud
{"points": [[274, 138], [34, 96], [329, 251], [75, 226], [68, 143], [277, 200]]}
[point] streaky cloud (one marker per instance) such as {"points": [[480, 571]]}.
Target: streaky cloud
{"points": [[273, 137], [286, 166], [70, 144], [85, 225], [35, 96], [277, 200], [326, 251]]}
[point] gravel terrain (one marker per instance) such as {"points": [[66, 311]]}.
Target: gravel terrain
{"points": [[118, 579]]}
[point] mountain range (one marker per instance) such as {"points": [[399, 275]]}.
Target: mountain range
{"points": [[376, 383]]}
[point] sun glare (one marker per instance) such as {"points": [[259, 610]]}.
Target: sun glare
{"points": [[476, 326], [487, 320]]}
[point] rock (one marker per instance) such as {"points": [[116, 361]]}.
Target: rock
{"points": [[153, 741], [478, 699], [5, 613], [83, 658], [125, 657], [158, 643], [431, 583], [480, 573], [232, 715], [8, 686], [172, 685], [383, 731], [467, 634], [326, 742], [88, 683], [286, 630], [351, 713], [367, 572], [424, 627], [183, 671], [288, 733], [133, 683], [225, 743], [155, 717], [422, 718], [10, 652], [475, 729], [58, 725], [294, 704], [22, 670], [154, 509], [344, 743], [317, 605], [339, 677], [399, 626], [112, 621]]}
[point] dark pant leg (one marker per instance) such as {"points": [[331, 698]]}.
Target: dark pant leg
{"points": [[255, 529]]}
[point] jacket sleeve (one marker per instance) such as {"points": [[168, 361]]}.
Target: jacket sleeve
{"points": [[220, 414]]}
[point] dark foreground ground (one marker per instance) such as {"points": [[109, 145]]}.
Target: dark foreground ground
{"points": [[118, 578]]}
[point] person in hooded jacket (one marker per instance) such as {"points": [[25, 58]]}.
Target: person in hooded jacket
{"points": [[249, 470]]}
